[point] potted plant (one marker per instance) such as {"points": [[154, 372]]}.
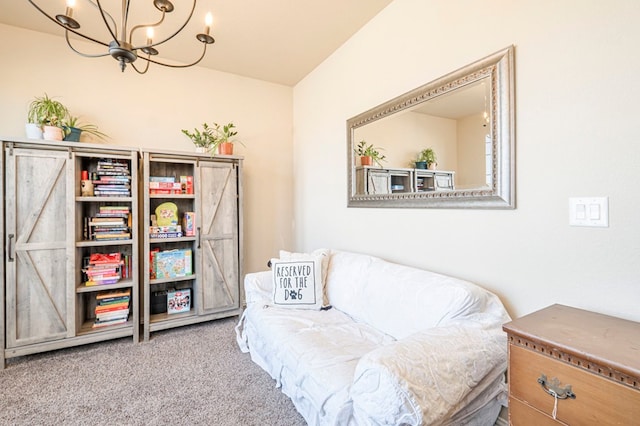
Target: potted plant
{"points": [[204, 140], [73, 129], [49, 114], [426, 159], [369, 154], [225, 133]]}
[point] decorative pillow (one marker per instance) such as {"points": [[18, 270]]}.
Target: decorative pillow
{"points": [[297, 283], [324, 253]]}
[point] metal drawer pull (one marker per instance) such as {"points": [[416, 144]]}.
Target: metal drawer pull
{"points": [[553, 388]]}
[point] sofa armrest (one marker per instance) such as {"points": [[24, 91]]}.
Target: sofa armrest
{"points": [[427, 376], [258, 287]]}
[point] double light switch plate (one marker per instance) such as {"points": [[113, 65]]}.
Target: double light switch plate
{"points": [[589, 211]]}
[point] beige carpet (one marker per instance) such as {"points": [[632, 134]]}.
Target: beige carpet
{"points": [[192, 375]]}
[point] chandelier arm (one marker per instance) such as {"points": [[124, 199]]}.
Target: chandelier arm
{"points": [[106, 23], [137, 27], [177, 66], [113, 21], [174, 34], [86, 55], [146, 68], [66, 28]]}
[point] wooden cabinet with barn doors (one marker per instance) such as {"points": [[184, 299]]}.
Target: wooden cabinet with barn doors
{"points": [[192, 238], [56, 237], [569, 366]]}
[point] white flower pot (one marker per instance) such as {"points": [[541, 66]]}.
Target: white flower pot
{"points": [[33, 131]]}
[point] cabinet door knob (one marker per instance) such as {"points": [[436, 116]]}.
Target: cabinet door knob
{"points": [[553, 388]]}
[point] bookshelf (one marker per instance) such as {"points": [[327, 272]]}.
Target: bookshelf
{"points": [[106, 243], [47, 303], [199, 258]]}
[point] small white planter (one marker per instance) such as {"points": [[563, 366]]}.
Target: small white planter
{"points": [[202, 149], [33, 131]]}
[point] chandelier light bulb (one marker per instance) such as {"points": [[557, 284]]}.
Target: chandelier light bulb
{"points": [[149, 35], [208, 20], [71, 3]]}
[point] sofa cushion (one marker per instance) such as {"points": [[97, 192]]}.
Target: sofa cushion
{"points": [[298, 283], [311, 354], [396, 299]]}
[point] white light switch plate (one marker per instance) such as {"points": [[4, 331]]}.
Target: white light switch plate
{"points": [[589, 211]]}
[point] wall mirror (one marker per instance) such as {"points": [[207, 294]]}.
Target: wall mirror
{"points": [[467, 119]]}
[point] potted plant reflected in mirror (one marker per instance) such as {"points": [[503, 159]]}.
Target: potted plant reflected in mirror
{"points": [[369, 154], [426, 159], [204, 140], [225, 134], [73, 130], [49, 114]]}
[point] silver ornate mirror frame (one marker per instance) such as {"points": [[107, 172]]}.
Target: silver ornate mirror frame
{"points": [[498, 68]]}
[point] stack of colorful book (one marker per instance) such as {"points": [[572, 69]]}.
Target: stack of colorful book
{"points": [[112, 178], [109, 228], [103, 268], [112, 307], [110, 223]]}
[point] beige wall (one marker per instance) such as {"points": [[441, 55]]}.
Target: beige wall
{"points": [[402, 136], [149, 111], [577, 135], [471, 167]]}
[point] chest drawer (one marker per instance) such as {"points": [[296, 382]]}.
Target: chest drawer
{"points": [[598, 400], [520, 414]]}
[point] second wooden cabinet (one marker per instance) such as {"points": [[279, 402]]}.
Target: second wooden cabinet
{"points": [[210, 196]]}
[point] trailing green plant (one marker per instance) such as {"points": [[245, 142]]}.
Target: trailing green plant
{"points": [[207, 138], [428, 155], [92, 129], [364, 150], [46, 111]]}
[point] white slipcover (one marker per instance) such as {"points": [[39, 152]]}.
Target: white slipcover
{"points": [[399, 346]]}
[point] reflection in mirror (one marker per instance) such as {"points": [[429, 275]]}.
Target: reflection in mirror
{"points": [[466, 118]]}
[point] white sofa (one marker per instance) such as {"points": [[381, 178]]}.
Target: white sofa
{"points": [[399, 346]]}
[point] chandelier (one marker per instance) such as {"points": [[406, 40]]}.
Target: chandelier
{"points": [[121, 45]]}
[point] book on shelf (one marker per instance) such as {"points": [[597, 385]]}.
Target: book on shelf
{"points": [[109, 220], [105, 323], [122, 313], [111, 294], [113, 307], [113, 300], [112, 236], [111, 193]]}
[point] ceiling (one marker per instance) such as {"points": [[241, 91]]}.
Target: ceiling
{"points": [[280, 41]]}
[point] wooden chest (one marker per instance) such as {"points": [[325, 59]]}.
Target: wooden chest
{"points": [[574, 367]]}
